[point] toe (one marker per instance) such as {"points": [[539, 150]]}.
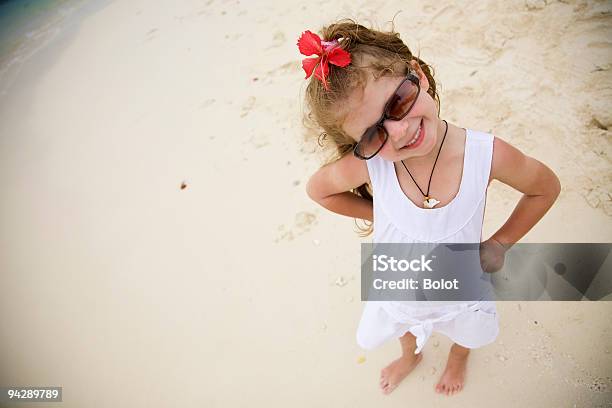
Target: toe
{"points": [[383, 379], [389, 388]]}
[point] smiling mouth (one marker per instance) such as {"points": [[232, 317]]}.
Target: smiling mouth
{"points": [[418, 137]]}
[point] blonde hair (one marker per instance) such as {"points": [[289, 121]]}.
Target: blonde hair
{"points": [[387, 54]]}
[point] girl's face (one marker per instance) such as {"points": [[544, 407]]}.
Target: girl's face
{"points": [[365, 109]]}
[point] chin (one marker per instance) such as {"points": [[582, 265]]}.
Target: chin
{"points": [[423, 150]]}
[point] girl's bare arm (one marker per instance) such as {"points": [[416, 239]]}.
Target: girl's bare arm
{"points": [[330, 187], [538, 183]]}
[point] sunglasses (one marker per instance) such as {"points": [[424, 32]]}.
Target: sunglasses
{"points": [[396, 108]]}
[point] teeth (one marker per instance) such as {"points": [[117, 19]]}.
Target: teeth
{"points": [[416, 136]]}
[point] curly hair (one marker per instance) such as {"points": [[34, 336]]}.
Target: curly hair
{"points": [[373, 52]]}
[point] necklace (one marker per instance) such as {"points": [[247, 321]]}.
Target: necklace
{"points": [[429, 202]]}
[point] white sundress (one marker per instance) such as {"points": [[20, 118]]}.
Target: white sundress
{"points": [[398, 220]]}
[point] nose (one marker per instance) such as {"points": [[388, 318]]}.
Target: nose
{"points": [[397, 130]]}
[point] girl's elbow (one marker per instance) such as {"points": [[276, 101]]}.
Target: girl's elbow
{"points": [[557, 186], [311, 190], [551, 183]]}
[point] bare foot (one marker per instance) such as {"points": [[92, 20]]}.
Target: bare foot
{"points": [[394, 373], [453, 378]]}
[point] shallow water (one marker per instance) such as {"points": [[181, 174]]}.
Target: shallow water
{"points": [[27, 26]]}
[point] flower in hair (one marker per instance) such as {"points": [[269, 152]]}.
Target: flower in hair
{"points": [[327, 52]]}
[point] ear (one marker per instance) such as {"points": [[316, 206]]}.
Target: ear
{"points": [[424, 82]]}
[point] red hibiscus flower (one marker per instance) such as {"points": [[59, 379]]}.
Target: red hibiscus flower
{"points": [[328, 52]]}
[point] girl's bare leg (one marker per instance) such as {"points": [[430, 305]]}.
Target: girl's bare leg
{"points": [[453, 378], [394, 373]]}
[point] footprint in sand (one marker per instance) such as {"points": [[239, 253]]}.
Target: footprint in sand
{"points": [[259, 140], [598, 384], [304, 220], [247, 106], [287, 69], [302, 223], [596, 180], [598, 198], [535, 4], [495, 38], [206, 103], [446, 15], [277, 40], [232, 37], [151, 34], [599, 108]]}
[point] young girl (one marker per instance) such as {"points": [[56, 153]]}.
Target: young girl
{"points": [[416, 178]]}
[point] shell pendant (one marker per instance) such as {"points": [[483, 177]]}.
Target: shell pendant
{"points": [[430, 202]]}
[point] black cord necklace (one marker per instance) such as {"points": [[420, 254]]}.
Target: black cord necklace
{"points": [[429, 202]]}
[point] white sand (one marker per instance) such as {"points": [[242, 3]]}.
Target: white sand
{"points": [[128, 291]]}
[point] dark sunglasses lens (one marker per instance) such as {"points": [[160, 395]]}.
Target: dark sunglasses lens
{"points": [[403, 99], [371, 142]]}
